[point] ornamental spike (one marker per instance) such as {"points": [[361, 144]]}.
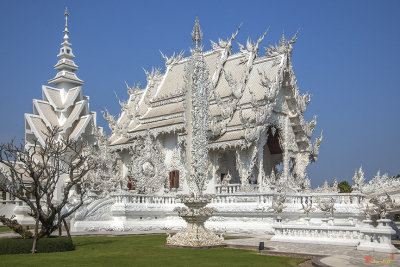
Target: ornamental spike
{"points": [[66, 38], [197, 35], [282, 42]]}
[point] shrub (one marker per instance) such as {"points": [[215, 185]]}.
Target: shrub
{"points": [[44, 245]]}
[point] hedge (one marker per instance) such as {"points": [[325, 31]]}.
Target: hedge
{"points": [[44, 245]]}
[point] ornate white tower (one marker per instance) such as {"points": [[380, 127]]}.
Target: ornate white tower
{"points": [[197, 83], [197, 105], [62, 106]]}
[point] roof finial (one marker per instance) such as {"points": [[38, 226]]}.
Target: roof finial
{"points": [[282, 42], [197, 35], [66, 37], [66, 20]]}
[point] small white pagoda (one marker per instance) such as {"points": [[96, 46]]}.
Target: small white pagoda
{"points": [[63, 106]]}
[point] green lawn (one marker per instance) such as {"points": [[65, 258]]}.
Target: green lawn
{"points": [[5, 229], [146, 250]]}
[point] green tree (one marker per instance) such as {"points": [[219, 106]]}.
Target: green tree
{"points": [[344, 187]]}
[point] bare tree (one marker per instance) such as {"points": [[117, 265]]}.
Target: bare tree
{"points": [[15, 226], [35, 173]]}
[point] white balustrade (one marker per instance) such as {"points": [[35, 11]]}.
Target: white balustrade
{"points": [[317, 234], [225, 196], [228, 189], [127, 197], [11, 202]]}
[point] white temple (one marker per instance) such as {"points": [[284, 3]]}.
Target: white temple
{"points": [[253, 157]]}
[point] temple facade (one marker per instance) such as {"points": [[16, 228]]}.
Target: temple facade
{"points": [[213, 122], [258, 139]]}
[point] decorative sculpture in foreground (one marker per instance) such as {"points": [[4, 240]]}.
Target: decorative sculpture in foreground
{"points": [[378, 238], [307, 208], [327, 206], [278, 206], [197, 84], [383, 205], [195, 215]]}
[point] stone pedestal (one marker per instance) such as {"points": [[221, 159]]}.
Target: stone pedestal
{"points": [[307, 219], [22, 215], [377, 238], [195, 215]]}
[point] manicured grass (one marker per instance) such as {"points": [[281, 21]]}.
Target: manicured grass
{"points": [[146, 250], [5, 229]]}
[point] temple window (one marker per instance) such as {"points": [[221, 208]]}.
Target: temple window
{"points": [[174, 179], [223, 176], [273, 141]]}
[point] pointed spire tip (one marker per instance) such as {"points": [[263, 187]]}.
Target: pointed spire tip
{"points": [[197, 35]]}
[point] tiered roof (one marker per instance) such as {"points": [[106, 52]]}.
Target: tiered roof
{"points": [[241, 83], [63, 106]]}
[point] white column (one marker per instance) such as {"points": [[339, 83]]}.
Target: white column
{"points": [[286, 158], [260, 160], [239, 165]]}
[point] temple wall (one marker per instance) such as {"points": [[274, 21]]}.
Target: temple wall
{"points": [[169, 142], [174, 161], [236, 213]]}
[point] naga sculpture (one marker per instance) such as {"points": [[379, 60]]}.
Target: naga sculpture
{"points": [[278, 206], [307, 207], [383, 205], [327, 206]]}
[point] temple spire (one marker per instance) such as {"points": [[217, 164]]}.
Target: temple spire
{"points": [[66, 78], [197, 35], [66, 37], [66, 50]]}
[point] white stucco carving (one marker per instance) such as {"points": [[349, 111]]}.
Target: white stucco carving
{"points": [[147, 165]]}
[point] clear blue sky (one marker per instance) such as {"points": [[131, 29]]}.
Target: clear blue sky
{"points": [[347, 56]]}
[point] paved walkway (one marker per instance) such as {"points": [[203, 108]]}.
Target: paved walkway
{"points": [[332, 255], [337, 256]]}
